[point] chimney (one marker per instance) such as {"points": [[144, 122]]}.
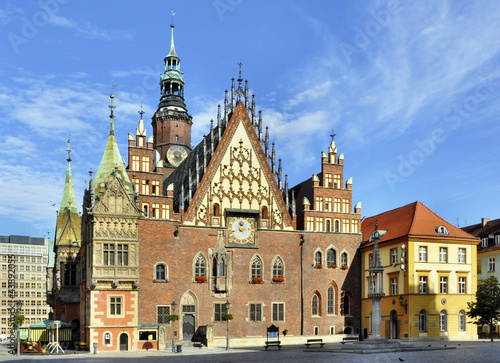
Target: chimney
{"points": [[484, 221]]}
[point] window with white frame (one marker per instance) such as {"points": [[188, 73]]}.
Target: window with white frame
{"points": [[443, 254], [423, 285], [343, 259], [461, 285], [200, 265], [394, 286], [256, 267], [461, 255], [278, 267], [394, 256], [491, 264], [331, 257], [461, 320], [484, 242], [422, 254], [278, 311], [443, 285], [318, 258], [443, 317]]}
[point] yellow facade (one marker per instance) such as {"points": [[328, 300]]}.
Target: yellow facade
{"points": [[429, 259]]}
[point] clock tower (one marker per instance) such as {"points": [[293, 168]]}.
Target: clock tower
{"points": [[171, 121]]}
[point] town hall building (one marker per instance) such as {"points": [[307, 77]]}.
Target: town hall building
{"points": [[184, 230]]}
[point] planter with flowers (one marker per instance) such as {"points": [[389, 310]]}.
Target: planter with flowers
{"points": [[227, 317], [200, 278], [173, 317], [257, 280], [332, 266], [318, 265], [343, 267], [278, 279]]}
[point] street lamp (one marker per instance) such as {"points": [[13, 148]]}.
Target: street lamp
{"points": [[228, 304], [19, 305], [174, 305]]}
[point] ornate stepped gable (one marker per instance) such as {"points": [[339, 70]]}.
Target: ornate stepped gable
{"points": [[237, 176]]}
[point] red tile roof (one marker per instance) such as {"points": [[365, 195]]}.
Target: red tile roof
{"points": [[490, 228], [414, 219]]}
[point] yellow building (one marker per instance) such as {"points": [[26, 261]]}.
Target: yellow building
{"points": [[429, 275]]}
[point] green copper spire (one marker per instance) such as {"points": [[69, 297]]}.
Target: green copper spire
{"points": [[68, 226], [172, 79], [112, 164], [172, 47]]}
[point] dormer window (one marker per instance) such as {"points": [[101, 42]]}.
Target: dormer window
{"points": [[484, 242], [442, 230]]}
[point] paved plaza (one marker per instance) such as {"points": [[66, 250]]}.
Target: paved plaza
{"points": [[480, 351]]}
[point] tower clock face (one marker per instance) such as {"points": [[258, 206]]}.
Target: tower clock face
{"points": [[241, 230], [176, 155]]}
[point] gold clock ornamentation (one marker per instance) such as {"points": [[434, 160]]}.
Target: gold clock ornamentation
{"points": [[176, 155], [241, 230]]}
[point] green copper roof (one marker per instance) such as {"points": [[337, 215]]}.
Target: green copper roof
{"points": [[112, 164], [68, 225], [68, 201]]}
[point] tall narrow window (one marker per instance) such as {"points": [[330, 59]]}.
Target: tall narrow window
{"points": [[461, 320], [461, 255], [331, 300], [422, 321], [199, 266], [422, 253], [315, 305], [318, 258], [122, 255], [394, 256], [461, 285], [491, 264], [256, 267], [108, 254], [394, 286], [328, 225], [337, 226], [331, 258], [347, 304], [278, 267], [443, 254], [343, 259], [443, 326], [423, 285], [443, 285], [278, 312]]}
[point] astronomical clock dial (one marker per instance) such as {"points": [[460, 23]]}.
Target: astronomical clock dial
{"points": [[176, 155], [241, 230]]}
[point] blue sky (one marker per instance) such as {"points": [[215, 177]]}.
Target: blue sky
{"points": [[411, 90]]}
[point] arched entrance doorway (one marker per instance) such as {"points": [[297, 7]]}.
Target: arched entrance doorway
{"points": [[394, 325], [75, 330], [123, 341]]}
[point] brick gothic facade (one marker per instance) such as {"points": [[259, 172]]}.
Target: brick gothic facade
{"points": [[212, 224]]}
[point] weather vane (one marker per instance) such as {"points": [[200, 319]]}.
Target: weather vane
{"points": [[333, 134], [240, 64], [141, 112], [173, 18]]}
